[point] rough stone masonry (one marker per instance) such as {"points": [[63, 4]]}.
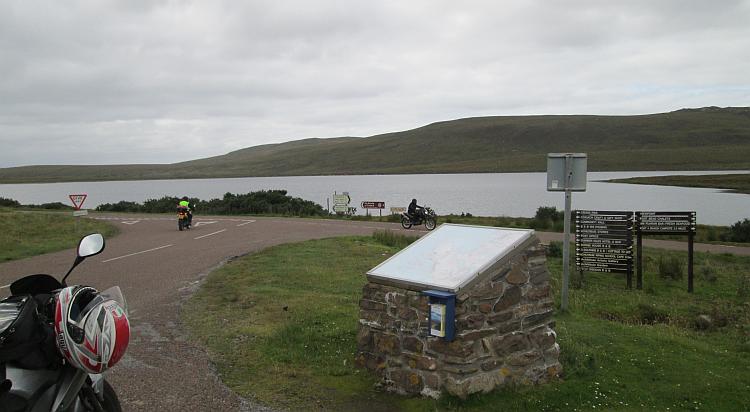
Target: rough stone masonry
{"points": [[503, 332]]}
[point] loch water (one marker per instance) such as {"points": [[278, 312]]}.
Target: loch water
{"points": [[481, 194]]}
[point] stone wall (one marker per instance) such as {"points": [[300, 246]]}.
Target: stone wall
{"points": [[503, 333]]}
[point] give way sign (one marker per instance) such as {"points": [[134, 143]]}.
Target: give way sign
{"points": [[77, 200]]}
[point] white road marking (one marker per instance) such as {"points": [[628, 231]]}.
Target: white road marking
{"points": [[204, 223], [210, 234], [243, 224], [3, 287], [131, 222], [137, 253]]}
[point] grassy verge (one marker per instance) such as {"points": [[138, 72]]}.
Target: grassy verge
{"points": [[26, 234], [735, 182], [281, 325]]}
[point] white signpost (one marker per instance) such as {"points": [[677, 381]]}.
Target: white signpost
{"points": [[78, 200], [341, 202], [566, 172]]}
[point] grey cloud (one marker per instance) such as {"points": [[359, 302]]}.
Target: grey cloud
{"points": [[225, 75]]}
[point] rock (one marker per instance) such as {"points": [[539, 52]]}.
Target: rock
{"points": [[386, 344], [364, 340], [517, 276], [422, 362], [412, 344], [703, 322], [514, 342], [473, 321], [511, 297]]}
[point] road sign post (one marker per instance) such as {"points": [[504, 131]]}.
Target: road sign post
{"points": [[341, 202], [78, 200], [367, 205], [604, 242], [666, 223], [566, 172]]}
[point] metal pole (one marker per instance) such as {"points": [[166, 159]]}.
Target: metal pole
{"points": [[690, 262], [639, 247], [566, 237]]}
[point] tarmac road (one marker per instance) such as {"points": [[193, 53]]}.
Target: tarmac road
{"points": [[157, 267]]}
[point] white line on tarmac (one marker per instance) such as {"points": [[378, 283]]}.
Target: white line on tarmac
{"points": [[210, 234], [243, 224], [137, 253], [3, 287]]}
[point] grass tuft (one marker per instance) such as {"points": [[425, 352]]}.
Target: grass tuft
{"points": [[393, 239]]}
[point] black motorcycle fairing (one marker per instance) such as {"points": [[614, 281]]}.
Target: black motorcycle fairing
{"points": [[35, 285]]}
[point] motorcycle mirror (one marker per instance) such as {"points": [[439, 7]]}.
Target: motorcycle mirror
{"points": [[90, 245]]}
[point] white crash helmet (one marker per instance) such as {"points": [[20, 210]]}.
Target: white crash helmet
{"points": [[91, 328]]}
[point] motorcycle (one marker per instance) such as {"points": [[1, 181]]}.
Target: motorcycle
{"points": [[35, 373], [183, 218], [427, 216]]}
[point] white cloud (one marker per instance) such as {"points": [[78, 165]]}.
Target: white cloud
{"points": [[142, 81]]}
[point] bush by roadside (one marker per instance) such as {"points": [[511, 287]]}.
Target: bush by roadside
{"points": [[275, 202]]}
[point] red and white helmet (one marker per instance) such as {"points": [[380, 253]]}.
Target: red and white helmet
{"points": [[91, 328]]}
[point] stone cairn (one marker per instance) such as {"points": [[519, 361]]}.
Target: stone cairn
{"points": [[503, 333]]}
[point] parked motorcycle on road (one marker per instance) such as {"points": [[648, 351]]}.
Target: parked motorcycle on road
{"points": [[427, 216], [56, 340]]}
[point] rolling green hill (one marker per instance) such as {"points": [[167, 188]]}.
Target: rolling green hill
{"points": [[689, 139]]}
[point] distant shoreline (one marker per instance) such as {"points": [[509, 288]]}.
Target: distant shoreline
{"points": [[665, 180], [733, 183]]}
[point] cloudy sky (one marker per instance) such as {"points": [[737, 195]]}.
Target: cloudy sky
{"points": [[138, 81]]}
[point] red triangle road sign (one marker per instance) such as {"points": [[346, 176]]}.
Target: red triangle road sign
{"points": [[77, 200]]}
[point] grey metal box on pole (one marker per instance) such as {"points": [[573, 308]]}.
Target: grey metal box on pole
{"points": [[566, 172], [557, 177]]}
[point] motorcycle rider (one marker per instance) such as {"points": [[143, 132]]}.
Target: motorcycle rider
{"points": [[415, 211], [186, 204]]}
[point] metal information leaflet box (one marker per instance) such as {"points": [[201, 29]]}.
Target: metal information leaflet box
{"points": [[442, 314], [557, 178], [447, 260]]}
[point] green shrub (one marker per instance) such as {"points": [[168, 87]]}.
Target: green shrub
{"points": [[651, 314], [9, 202], [548, 217], [554, 249], [671, 267], [740, 231], [275, 202]]}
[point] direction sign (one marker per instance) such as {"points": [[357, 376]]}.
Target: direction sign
{"points": [[604, 241], [373, 205], [341, 199], [340, 208], [665, 222], [78, 200]]}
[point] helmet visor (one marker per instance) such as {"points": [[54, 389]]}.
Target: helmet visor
{"points": [[114, 293]]}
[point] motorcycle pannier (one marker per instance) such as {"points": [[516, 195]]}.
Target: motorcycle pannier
{"points": [[20, 334]]}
